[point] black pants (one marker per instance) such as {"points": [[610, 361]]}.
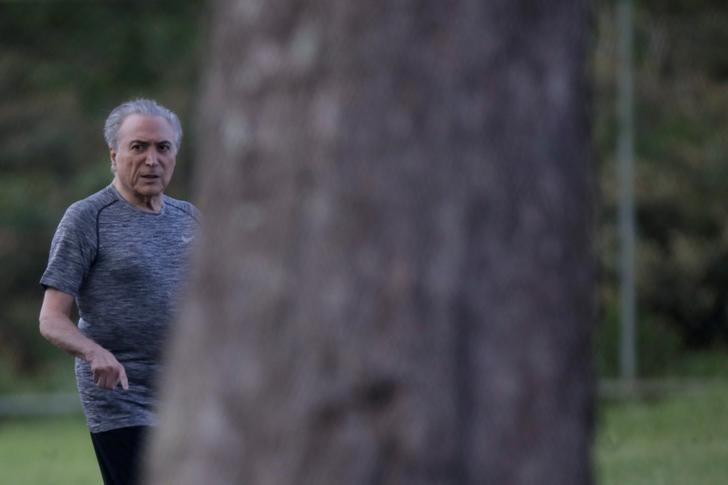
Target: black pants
{"points": [[119, 453]]}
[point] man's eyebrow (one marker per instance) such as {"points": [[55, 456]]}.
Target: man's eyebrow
{"points": [[147, 142]]}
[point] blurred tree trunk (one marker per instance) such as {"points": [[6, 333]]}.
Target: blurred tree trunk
{"points": [[395, 281]]}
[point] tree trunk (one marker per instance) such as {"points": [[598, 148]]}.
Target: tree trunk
{"points": [[394, 284]]}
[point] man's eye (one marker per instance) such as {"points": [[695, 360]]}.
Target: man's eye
{"points": [[163, 148], [137, 148]]}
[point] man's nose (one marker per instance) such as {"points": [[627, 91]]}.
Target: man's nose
{"points": [[151, 158]]}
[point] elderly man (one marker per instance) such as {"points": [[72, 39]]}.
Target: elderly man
{"points": [[121, 254]]}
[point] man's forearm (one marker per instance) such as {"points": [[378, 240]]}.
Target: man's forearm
{"points": [[61, 332]]}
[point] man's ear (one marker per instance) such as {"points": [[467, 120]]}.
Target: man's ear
{"points": [[112, 156]]}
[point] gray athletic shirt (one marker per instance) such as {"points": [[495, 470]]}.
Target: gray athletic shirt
{"points": [[125, 267]]}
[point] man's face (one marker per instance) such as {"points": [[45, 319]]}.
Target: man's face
{"points": [[144, 159]]}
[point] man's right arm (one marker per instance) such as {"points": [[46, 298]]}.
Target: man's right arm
{"points": [[56, 326]]}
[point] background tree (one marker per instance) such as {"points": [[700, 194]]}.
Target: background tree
{"points": [[395, 282], [65, 64], [681, 87]]}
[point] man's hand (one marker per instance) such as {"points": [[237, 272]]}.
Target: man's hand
{"points": [[57, 327], [107, 371]]}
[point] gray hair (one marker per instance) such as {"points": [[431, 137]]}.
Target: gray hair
{"points": [[146, 107]]}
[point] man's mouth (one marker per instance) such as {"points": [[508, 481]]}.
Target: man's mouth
{"points": [[150, 177]]}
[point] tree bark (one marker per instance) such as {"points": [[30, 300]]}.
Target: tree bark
{"points": [[394, 284]]}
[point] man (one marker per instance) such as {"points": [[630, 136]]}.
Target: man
{"points": [[121, 255]]}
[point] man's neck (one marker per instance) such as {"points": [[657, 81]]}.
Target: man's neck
{"points": [[148, 204]]}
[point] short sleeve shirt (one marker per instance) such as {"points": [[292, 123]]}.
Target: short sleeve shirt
{"points": [[126, 269]]}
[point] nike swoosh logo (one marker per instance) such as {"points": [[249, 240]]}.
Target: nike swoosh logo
{"points": [[186, 240]]}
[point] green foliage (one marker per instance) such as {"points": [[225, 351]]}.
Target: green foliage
{"points": [[66, 64], [681, 82], [659, 348]]}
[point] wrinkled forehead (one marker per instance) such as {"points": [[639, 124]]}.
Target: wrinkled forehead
{"points": [[145, 128]]}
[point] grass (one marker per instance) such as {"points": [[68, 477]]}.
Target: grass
{"points": [[47, 451], [680, 438]]}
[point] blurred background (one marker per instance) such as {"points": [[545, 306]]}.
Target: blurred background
{"points": [[65, 64]]}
